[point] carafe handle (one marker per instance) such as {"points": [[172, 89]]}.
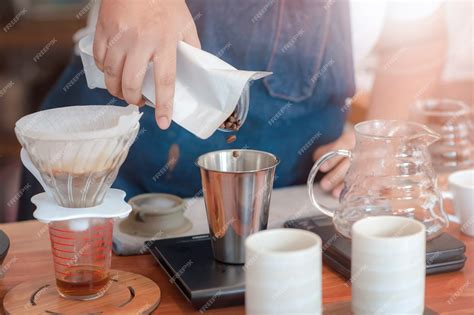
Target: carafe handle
{"points": [[312, 176]]}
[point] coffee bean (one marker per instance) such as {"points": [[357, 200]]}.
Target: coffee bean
{"points": [[231, 138], [231, 123]]}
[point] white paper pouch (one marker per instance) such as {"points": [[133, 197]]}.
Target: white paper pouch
{"points": [[207, 88]]}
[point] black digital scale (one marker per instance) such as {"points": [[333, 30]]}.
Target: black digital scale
{"points": [[189, 263], [192, 268], [444, 253]]}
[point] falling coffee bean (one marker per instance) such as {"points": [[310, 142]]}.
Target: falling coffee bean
{"points": [[232, 123], [231, 138]]}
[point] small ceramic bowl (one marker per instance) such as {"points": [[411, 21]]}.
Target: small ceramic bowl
{"points": [[155, 215], [4, 246]]}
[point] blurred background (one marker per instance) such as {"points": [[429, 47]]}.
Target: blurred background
{"points": [[28, 28], [404, 51]]}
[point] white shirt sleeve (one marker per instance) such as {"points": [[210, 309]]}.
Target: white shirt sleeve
{"points": [[368, 18], [367, 21], [460, 55]]}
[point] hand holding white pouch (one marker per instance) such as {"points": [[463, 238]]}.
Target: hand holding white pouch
{"points": [[207, 88]]}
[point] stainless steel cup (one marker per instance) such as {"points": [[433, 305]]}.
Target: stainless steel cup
{"points": [[237, 186]]}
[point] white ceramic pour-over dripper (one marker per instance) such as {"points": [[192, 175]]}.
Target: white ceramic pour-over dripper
{"points": [[75, 152]]}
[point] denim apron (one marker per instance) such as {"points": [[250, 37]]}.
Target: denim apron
{"points": [[307, 46]]}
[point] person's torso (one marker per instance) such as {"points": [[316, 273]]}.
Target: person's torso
{"points": [[307, 46]]}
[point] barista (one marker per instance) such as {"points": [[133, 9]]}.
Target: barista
{"points": [[305, 43]]}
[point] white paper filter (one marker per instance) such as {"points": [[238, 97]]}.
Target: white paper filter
{"points": [[207, 88]]}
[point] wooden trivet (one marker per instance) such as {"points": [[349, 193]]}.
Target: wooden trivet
{"points": [[345, 308], [129, 293]]}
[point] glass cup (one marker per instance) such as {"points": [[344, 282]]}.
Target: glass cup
{"points": [[452, 120], [82, 251]]}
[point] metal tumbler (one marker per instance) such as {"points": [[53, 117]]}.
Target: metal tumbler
{"points": [[237, 187]]}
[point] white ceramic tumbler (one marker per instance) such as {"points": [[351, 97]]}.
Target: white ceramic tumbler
{"points": [[461, 191], [283, 272], [388, 266]]}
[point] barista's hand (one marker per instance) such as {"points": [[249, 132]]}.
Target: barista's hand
{"points": [[337, 166], [129, 35]]}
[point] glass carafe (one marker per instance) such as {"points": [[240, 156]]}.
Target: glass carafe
{"points": [[451, 119], [390, 173]]}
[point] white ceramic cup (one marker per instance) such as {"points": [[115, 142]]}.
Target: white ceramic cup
{"points": [[283, 272], [461, 191], [388, 266]]}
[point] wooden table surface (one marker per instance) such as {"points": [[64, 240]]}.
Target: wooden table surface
{"points": [[30, 257]]}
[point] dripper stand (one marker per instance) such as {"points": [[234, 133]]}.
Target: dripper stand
{"points": [[129, 293]]}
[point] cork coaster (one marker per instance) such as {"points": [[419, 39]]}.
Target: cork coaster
{"points": [[129, 293]]}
